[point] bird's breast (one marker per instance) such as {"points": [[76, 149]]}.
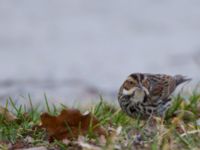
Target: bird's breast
{"points": [[138, 97]]}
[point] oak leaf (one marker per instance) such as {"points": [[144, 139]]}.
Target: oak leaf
{"points": [[70, 124]]}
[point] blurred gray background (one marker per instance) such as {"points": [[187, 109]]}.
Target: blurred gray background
{"points": [[76, 50]]}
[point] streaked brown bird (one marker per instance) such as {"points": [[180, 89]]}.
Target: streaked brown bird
{"points": [[148, 94]]}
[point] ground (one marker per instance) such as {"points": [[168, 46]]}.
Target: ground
{"points": [[179, 129]]}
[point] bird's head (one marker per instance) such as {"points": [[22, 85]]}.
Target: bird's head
{"points": [[133, 85], [130, 86]]}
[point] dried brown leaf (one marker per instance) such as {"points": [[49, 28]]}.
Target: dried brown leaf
{"points": [[19, 145], [70, 124], [7, 116]]}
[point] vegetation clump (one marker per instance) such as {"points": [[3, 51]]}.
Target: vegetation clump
{"points": [[103, 126]]}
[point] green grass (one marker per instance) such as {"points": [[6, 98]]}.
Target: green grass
{"points": [[177, 131]]}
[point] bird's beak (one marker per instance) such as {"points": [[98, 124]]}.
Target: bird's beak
{"points": [[143, 89], [140, 87]]}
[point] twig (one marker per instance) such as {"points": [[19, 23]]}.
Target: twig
{"points": [[190, 132]]}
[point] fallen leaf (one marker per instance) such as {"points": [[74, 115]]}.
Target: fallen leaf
{"points": [[102, 140], [19, 145], [185, 115], [175, 121], [87, 146], [34, 148], [66, 141], [5, 145], [7, 116], [70, 124], [178, 123], [114, 133], [29, 139]]}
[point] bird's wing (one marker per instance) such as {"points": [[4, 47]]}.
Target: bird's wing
{"points": [[161, 86]]}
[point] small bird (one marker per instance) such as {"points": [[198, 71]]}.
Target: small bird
{"points": [[148, 95]]}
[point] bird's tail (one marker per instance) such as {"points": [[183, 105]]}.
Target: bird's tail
{"points": [[180, 79]]}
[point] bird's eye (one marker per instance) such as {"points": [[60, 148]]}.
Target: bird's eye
{"points": [[128, 84], [131, 82]]}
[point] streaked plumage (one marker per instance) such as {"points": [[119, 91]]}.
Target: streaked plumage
{"points": [[148, 94]]}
